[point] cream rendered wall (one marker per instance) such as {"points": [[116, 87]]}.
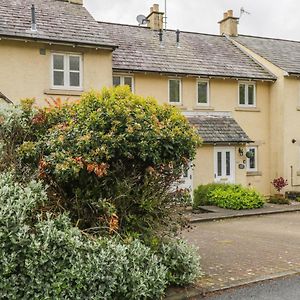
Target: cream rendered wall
{"points": [[223, 98], [27, 73]]}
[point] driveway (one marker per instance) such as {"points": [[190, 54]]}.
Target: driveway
{"points": [[238, 251]]}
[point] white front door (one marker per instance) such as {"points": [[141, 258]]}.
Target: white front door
{"points": [[224, 164], [186, 181]]}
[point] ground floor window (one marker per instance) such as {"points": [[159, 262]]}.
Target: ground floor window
{"points": [[123, 80], [251, 158]]}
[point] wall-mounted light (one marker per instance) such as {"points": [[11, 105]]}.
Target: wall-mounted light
{"points": [[241, 151], [294, 141]]}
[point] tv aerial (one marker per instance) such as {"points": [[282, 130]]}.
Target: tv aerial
{"points": [[243, 11], [142, 20]]}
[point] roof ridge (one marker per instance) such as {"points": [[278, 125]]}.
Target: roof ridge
{"points": [[268, 38], [170, 30]]}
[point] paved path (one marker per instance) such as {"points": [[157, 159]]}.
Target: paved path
{"points": [[281, 289], [237, 251]]}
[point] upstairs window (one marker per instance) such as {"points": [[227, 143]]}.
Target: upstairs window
{"points": [[203, 93], [247, 94], [123, 80], [174, 90], [66, 71], [252, 159]]}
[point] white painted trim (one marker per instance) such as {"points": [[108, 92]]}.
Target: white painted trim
{"points": [[247, 83], [207, 92], [180, 91], [66, 71], [122, 80], [255, 159]]}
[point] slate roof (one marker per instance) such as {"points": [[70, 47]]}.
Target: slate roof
{"points": [[219, 129], [199, 54], [283, 53], [56, 21], [4, 98]]}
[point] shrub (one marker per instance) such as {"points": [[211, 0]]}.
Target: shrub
{"points": [[279, 183], [236, 197], [182, 262], [47, 258], [202, 194], [110, 159], [279, 200]]}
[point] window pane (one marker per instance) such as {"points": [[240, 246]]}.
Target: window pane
{"points": [[219, 163], [228, 163], [251, 94], [116, 80], [58, 78], [128, 81], [174, 90], [242, 91], [202, 92], [74, 79], [252, 159], [74, 63], [58, 62]]}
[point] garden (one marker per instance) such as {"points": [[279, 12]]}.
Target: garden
{"points": [[87, 202]]}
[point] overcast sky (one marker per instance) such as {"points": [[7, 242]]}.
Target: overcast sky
{"points": [[268, 18]]}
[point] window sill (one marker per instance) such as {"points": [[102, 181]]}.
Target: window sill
{"points": [[178, 105], [199, 107], [63, 92], [248, 109], [254, 173]]}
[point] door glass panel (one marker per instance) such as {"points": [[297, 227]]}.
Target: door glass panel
{"points": [[219, 163], [228, 163]]}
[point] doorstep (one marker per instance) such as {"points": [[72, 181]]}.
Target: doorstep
{"points": [[213, 213]]}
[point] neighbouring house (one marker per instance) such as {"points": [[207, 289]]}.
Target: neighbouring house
{"points": [[242, 93]]}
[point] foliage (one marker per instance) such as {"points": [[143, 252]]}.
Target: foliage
{"points": [[182, 262], [279, 200], [236, 197], [50, 259], [279, 183], [229, 196], [110, 159], [202, 193]]}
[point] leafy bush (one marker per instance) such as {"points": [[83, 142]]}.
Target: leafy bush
{"points": [[202, 194], [236, 197], [110, 159], [182, 262], [47, 258]]}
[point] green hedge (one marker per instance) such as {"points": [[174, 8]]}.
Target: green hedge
{"points": [[227, 196]]}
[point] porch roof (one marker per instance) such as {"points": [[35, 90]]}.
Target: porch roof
{"points": [[5, 99], [219, 129]]}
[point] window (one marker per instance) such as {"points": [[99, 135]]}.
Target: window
{"points": [[252, 159], [175, 91], [123, 80], [247, 94], [66, 71], [203, 93]]}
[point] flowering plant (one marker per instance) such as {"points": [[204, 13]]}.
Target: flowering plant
{"points": [[279, 183]]}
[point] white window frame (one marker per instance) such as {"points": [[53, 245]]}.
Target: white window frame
{"points": [[247, 83], [122, 80], [208, 92], [180, 91], [255, 159], [67, 72]]}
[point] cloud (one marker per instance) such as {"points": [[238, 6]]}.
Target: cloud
{"points": [[268, 17]]}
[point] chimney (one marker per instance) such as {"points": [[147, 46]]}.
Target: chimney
{"points": [[155, 18], [229, 24]]}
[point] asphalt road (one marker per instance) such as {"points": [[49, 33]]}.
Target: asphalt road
{"points": [[281, 289]]}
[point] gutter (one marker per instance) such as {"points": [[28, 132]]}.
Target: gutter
{"points": [[56, 42]]}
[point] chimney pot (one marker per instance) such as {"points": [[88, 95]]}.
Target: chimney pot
{"points": [[225, 15], [230, 13], [155, 7]]}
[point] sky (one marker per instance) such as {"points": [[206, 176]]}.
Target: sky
{"points": [[268, 18]]}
